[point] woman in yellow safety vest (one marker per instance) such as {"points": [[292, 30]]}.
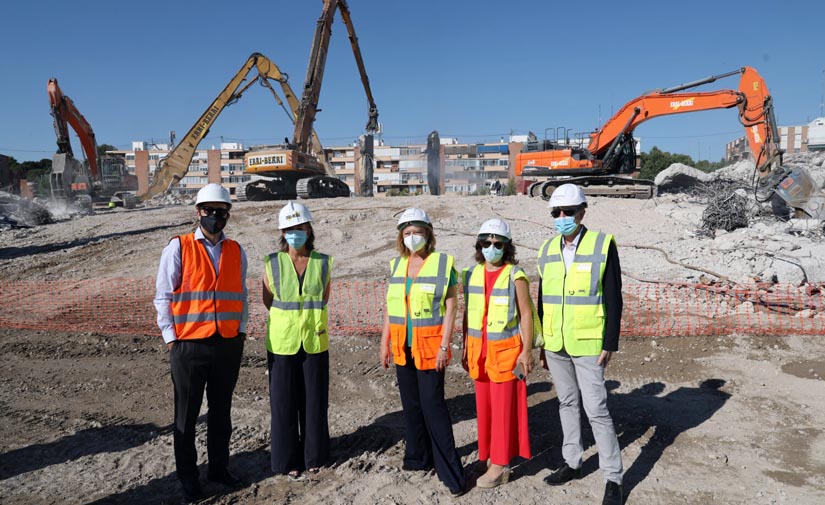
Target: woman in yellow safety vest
{"points": [[296, 290], [498, 330], [418, 324]]}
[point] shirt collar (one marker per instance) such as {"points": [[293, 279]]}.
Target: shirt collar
{"points": [[200, 236], [574, 244]]}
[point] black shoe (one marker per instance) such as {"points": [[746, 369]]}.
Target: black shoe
{"points": [[459, 491], [612, 494], [562, 475], [192, 491], [226, 478]]}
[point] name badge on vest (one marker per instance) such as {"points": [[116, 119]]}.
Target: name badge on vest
{"points": [[583, 267], [428, 288], [500, 300]]}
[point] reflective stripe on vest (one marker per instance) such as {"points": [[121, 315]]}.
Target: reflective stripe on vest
{"points": [[206, 303], [427, 307], [298, 315], [504, 343], [572, 298]]}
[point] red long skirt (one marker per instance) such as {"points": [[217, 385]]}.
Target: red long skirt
{"points": [[501, 408]]}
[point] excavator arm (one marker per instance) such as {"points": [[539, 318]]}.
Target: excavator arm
{"points": [[752, 98], [176, 164], [65, 113], [315, 73]]}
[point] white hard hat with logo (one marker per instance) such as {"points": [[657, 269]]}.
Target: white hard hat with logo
{"points": [[414, 216], [567, 195], [293, 214], [213, 192], [496, 227]]}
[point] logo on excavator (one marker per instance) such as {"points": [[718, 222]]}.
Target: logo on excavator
{"points": [[756, 137], [756, 85], [560, 163], [677, 104]]}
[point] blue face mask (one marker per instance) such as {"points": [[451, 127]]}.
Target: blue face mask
{"points": [[492, 254], [296, 238], [566, 225]]}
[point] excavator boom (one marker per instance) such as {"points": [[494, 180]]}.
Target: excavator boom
{"points": [[315, 73], [175, 165], [65, 113]]}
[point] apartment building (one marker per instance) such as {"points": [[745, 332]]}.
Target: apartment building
{"points": [[792, 139], [224, 164]]}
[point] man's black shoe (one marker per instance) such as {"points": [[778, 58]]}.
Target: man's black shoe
{"points": [[459, 491], [612, 494], [226, 478], [562, 475], [192, 492], [410, 468]]}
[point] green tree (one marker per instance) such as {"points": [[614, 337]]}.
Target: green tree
{"points": [[510, 190], [657, 160], [102, 148]]}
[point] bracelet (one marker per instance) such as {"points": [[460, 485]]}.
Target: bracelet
{"points": [[443, 348]]}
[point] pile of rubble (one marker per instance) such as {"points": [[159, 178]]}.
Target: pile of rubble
{"points": [[17, 212]]}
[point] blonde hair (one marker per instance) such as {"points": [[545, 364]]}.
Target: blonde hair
{"points": [[429, 247]]}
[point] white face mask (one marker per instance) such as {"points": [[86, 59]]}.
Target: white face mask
{"points": [[415, 242]]}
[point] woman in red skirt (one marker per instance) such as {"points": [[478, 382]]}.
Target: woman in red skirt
{"points": [[498, 329]]}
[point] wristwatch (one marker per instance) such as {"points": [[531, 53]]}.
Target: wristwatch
{"points": [[443, 348]]}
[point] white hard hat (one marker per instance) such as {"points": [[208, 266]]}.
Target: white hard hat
{"points": [[293, 214], [496, 227], [213, 192], [413, 215], [567, 195]]}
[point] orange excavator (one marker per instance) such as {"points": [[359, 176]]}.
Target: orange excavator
{"points": [[104, 180], [605, 162], [294, 169]]}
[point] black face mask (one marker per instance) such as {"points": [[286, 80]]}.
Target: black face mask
{"points": [[212, 224]]}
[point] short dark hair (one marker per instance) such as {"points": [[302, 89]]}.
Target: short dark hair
{"points": [[283, 246], [509, 253]]}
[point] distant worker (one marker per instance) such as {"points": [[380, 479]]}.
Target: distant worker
{"points": [[581, 311], [296, 290], [418, 326], [202, 312], [498, 334]]}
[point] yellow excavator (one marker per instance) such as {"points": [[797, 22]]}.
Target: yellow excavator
{"points": [[175, 165], [296, 169]]}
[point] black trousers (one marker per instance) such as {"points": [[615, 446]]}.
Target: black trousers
{"points": [[211, 364], [298, 403], [428, 426]]}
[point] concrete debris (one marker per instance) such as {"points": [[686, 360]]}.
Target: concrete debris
{"points": [[678, 177], [17, 212]]}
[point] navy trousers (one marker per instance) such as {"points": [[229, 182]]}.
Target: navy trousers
{"points": [[298, 402], [210, 364], [428, 426]]}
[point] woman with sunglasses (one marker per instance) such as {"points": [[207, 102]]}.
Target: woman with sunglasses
{"points": [[418, 324], [498, 330], [296, 290]]}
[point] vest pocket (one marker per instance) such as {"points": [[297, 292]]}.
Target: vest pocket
{"points": [[505, 353], [589, 323]]}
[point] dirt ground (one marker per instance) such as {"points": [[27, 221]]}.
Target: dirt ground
{"points": [[85, 418]]}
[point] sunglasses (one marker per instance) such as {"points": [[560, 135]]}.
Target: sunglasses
{"points": [[498, 245], [567, 211], [221, 213]]}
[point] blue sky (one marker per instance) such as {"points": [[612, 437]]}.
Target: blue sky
{"points": [[474, 70]]}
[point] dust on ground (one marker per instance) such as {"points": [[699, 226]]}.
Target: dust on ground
{"points": [[85, 418]]}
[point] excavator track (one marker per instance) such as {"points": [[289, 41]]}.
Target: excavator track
{"points": [[608, 185], [322, 187], [265, 189]]}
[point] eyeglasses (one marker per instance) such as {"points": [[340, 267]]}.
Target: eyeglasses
{"points": [[498, 245], [567, 211], [221, 213]]}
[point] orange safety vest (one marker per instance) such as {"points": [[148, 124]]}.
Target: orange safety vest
{"points": [[504, 343], [206, 303], [426, 305]]}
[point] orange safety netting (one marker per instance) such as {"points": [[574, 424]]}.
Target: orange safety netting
{"points": [[124, 306]]}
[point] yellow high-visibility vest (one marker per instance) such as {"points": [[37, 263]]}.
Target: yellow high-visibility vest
{"points": [[572, 299], [426, 304], [298, 316]]}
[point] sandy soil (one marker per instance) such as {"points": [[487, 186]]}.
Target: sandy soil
{"points": [[85, 417]]}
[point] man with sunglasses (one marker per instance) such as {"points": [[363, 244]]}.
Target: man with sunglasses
{"points": [[581, 310], [202, 313]]}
